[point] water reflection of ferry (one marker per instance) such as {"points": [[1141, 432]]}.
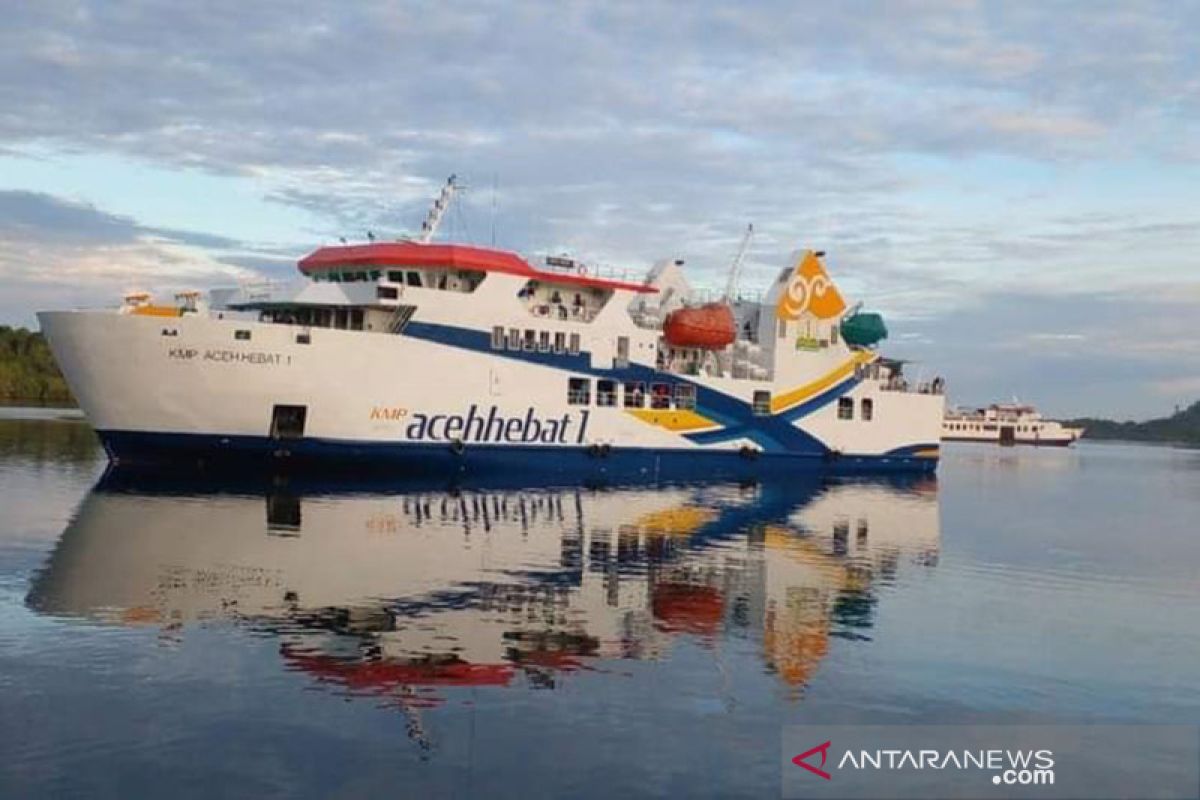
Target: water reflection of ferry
{"points": [[404, 593]]}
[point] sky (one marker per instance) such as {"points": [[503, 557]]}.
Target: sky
{"points": [[1013, 185]]}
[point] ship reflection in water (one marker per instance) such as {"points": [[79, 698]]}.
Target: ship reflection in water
{"points": [[403, 594]]}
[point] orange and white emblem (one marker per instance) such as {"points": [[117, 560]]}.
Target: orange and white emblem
{"points": [[811, 291]]}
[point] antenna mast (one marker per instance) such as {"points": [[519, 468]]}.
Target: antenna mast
{"points": [[434, 218], [735, 268]]}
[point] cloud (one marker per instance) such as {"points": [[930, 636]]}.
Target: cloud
{"points": [[958, 160], [1108, 354], [59, 253]]}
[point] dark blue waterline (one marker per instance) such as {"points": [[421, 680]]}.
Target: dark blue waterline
{"points": [[440, 459]]}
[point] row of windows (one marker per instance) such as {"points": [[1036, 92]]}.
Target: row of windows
{"points": [[634, 394], [351, 319], [531, 340], [975, 426], [458, 280], [846, 408]]}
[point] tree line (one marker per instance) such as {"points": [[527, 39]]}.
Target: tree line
{"points": [[1182, 427], [27, 368]]}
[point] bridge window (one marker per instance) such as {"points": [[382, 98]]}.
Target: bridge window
{"points": [[845, 408], [414, 278], [387, 293], [514, 339], [530, 340], [685, 396], [396, 276], [579, 391], [356, 319], [762, 403], [660, 395], [606, 392], [635, 394], [868, 409], [543, 341], [573, 347], [560, 342], [498, 337]]}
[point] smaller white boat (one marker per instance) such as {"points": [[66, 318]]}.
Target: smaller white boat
{"points": [[1008, 424]]}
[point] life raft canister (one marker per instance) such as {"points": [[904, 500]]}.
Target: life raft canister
{"points": [[709, 327]]}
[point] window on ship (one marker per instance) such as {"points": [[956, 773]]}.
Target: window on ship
{"points": [[685, 396], [579, 391], [635, 394], [762, 403], [868, 409], [660, 395], [845, 408], [606, 392]]}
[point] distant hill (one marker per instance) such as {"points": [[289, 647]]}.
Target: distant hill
{"points": [[27, 369], [1182, 427]]}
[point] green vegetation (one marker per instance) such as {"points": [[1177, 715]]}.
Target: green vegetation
{"points": [[1182, 427], [27, 369]]}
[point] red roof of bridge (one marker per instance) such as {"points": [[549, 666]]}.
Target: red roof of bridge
{"points": [[448, 256]]}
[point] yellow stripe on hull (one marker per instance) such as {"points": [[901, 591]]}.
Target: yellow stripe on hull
{"points": [[797, 396], [931, 452], [678, 421]]}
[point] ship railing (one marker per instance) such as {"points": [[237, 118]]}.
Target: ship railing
{"points": [[935, 386], [573, 267], [253, 291], [705, 295]]}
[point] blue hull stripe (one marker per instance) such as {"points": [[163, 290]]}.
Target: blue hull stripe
{"points": [[480, 459]]}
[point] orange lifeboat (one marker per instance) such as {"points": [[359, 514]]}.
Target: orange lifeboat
{"points": [[709, 327]]}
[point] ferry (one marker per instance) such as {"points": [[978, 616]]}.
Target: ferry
{"points": [[1007, 424], [428, 355]]}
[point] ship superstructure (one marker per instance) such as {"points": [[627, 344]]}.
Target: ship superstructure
{"points": [[443, 355]]}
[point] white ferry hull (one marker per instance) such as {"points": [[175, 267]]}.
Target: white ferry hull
{"points": [[1063, 440], [437, 398]]}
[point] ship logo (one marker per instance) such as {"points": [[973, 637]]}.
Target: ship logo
{"points": [[810, 291]]}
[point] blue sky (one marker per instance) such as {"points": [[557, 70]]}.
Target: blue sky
{"points": [[1012, 184]]}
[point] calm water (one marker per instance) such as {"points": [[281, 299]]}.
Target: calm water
{"points": [[284, 637]]}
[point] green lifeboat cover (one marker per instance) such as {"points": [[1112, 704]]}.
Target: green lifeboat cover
{"points": [[864, 329]]}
